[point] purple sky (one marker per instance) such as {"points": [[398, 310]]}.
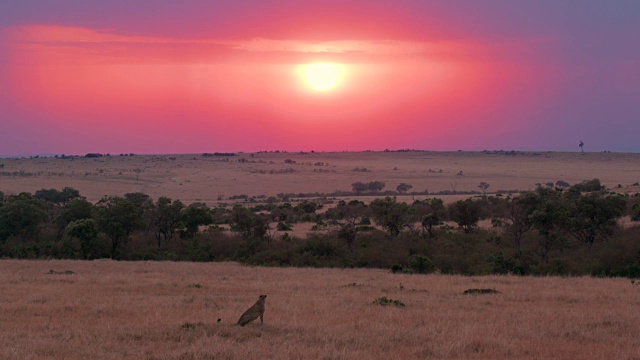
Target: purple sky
{"points": [[525, 75]]}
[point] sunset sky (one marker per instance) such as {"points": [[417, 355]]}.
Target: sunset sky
{"points": [[164, 76]]}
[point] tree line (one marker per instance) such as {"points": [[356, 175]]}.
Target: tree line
{"points": [[571, 231]]}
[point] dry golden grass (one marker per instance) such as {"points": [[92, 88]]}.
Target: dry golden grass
{"points": [[151, 310], [196, 178]]}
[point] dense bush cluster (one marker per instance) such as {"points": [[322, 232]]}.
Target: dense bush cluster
{"points": [[547, 231]]}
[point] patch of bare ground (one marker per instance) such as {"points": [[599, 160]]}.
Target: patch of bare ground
{"points": [[165, 310]]}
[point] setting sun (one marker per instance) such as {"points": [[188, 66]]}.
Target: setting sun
{"points": [[322, 76]]}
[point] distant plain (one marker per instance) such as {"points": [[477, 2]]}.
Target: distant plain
{"points": [[194, 177]]}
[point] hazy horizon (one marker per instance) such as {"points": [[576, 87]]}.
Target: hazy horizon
{"points": [[51, 155], [163, 77]]}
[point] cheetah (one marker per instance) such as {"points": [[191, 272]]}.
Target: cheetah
{"points": [[253, 312]]}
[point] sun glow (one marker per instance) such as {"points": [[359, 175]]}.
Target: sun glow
{"points": [[322, 76]]}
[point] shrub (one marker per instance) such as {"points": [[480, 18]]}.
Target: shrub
{"points": [[319, 247], [383, 301], [630, 271], [481, 291], [283, 227], [421, 264], [588, 186]]}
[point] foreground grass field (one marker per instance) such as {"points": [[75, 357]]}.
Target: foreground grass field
{"points": [[163, 310]]}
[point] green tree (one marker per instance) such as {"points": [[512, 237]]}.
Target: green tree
{"points": [[348, 216], [466, 213], [21, 215], [138, 198], [376, 186], [117, 217], [635, 212], [421, 264], [145, 206], [483, 186], [248, 224], [306, 207], [283, 212], [403, 188], [588, 186], [84, 230], [390, 214], [518, 217], [549, 218], [57, 197], [76, 209], [433, 214], [594, 216], [359, 187], [167, 218], [562, 185], [194, 216]]}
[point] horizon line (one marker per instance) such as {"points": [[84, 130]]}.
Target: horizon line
{"points": [[53, 155]]}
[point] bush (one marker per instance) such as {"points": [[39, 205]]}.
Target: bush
{"points": [[383, 301], [588, 186], [319, 247], [283, 227], [421, 264], [630, 271], [635, 212]]}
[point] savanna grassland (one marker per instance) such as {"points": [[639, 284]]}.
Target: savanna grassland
{"points": [[104, 309], [191, 178], [166, 310]]}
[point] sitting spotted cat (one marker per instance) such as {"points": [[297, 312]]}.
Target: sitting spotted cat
{"points": [[253, 312]]}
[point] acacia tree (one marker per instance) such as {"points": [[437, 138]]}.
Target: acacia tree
{"points": [[518, 216], [593, 216], [138, 198], [466, 213], [588, 186], [562, 185], [635, 212], [432, 215], [415, 213], [347, 216], [21, 215], [76, 209], [145, 206], [389, 214], [167, 218], [549, 218], [306, 207], [483, 186], [251, 226], [376, 186], [57, 197], [117, 217], [359, 187], [403, 188], [373, 186], [194, 216], [85, 231]]}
